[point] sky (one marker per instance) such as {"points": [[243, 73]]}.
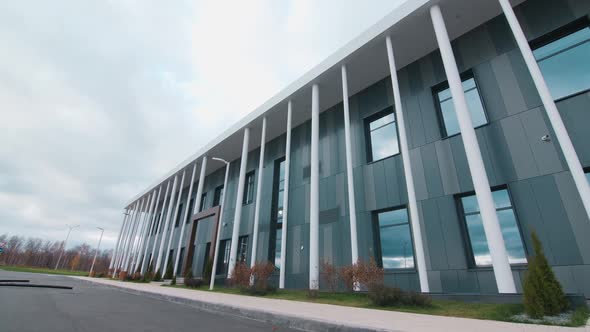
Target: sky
{"points": [[98, 99]]}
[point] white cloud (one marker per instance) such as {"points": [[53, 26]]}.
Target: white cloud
{"points": [[99, 99]]}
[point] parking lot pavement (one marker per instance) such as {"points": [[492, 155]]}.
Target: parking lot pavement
{"points": [[94, 307]]}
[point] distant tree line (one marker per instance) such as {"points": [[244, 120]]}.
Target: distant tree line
{"points": [[37, 252]]}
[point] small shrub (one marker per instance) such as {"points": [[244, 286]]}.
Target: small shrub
{"points": [[346, 275], [262, 271], [193, 282], [417, 299], [330, 275], [361, 273], [241, 276], [543, 295], [381, 295], [157, 276], [169, 272]]}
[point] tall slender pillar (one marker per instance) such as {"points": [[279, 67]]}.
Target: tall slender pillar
{"points": [[284, 229], [124, 239], [186, 217], [491, 225], [159, 226], [127, 237], [125, 266], [349, 176], [146, 231], [172, 224], [153, 216], [258, 193], [314, 192], [197, 206], [239, 197], [412, 202], [118, 239], [218, 234], [563, 138], [140, 233], [165, 230]]}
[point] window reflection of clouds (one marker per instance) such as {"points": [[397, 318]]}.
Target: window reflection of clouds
{"points": [[397, 251], [508, 225]]}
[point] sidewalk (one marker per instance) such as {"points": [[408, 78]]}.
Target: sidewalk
{"points": [[321, 317]]}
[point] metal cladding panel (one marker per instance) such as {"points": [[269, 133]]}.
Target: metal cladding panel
{"points": [[431, 170], [575, 115], [490, 91]]}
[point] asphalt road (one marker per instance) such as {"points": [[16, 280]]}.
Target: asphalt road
{"points": [[92, 307]]}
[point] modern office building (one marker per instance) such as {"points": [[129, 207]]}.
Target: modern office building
{"points": [[435, 142]]}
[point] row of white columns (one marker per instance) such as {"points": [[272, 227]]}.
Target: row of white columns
{"points": [[498, 252]]}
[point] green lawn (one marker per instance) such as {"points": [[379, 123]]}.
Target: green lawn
{"points": [[488, 311], [42, 270]]}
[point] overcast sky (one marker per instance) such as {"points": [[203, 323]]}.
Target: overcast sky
{"points": [[101, 98]]}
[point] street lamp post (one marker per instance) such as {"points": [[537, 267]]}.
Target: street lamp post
{"points": [[65, 243], [96, 252], [213, 270]]}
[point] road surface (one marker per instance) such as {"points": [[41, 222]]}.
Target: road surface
{"points": [[92, 307]]}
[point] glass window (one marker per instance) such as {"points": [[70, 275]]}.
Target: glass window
{"points": [[249, 189], [179, 215], [382, 136], [206, 257], [243, 249], [395, 247], [223, 259], [218, 196], [447, 109], [203, 202], [588, 176], [508, 224], [191, 206], [180, 260], [564, 61], [274, 254]]}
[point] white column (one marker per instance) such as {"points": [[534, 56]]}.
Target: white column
{"points": [[186, 216], [140, 235], [349, 176], [172, 225], [136, 219], [258, 195], [284, 228], [118, 240], [159, 225], [491, 225], [153, 217], [314, 192], [239, 197], [146, 231], [197, 206], [561, 133], [124, 239], [218, 236], [165, 230], [137, 235], [412, 202], [127, 237]]}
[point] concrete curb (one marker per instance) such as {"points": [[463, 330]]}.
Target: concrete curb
{"points": [[294, 322]]}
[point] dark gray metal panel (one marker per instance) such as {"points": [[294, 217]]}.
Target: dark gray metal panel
{"points": [[566, 278], [418, 174], [575, 115], [575, 211], [579, 8], [433, 230], [520, 151], [500, 34], [414, 124], [463, 173], [369, 182], [476, 47], [468, 281], [490, 92], [446, 166], [391, 182], [533, 16], [499, 154], [451, 232], [450, 281], [401, 179], [430, 122], [555, 221], [425, 240], [380, 186], [523, 77], [508, 84], [486, 281], [431, 170], [545, 153], [414, 78]]}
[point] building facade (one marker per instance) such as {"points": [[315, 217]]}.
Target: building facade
{"points": [[440, 232]]}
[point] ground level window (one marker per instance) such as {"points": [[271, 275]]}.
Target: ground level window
{"points": [[243, 249], [395, 249], [508, 224], [223, 259]]}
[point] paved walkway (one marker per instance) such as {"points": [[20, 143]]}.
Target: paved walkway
{"points": [[360, 318]]}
